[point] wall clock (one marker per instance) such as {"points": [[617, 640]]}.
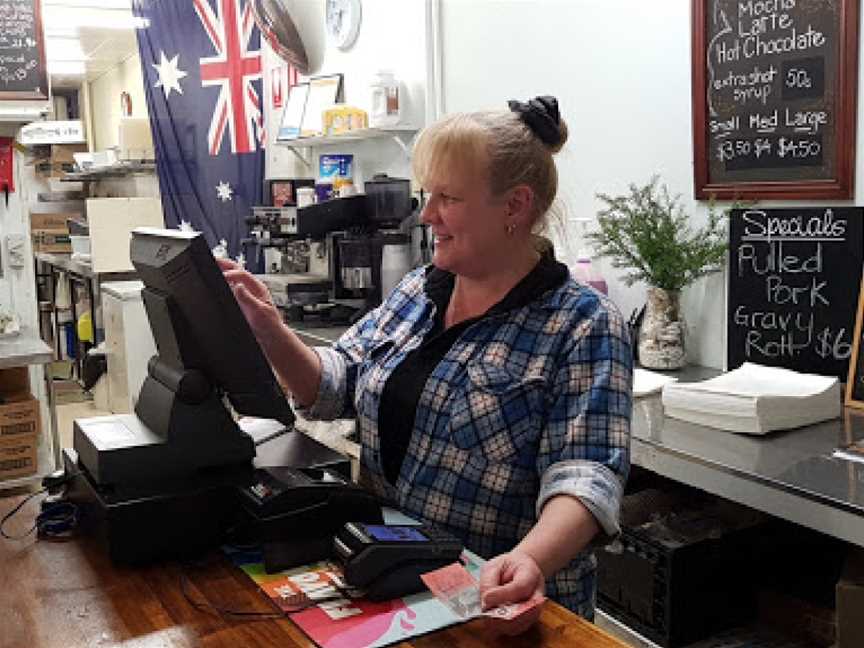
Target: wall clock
{"points": [[343, 22]]}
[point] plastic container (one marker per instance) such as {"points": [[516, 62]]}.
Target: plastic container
{"points": [[386, 100], [582, 268], [80, 244], [395, 262]]}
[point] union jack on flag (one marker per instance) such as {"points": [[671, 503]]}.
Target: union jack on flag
{"points": [[232, 69], [201, 63]]}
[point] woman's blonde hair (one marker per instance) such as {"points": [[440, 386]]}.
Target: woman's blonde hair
{"points": [[497, 142]]}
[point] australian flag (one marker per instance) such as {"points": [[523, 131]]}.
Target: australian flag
{"points": [[201, 61]]}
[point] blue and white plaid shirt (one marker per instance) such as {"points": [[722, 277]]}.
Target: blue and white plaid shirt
{"points": [[526, 405]]}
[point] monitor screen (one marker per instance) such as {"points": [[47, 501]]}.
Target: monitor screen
{"points": [[214, 336]]}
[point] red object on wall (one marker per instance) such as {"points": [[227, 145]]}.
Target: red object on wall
{"points": [[7, 181]]}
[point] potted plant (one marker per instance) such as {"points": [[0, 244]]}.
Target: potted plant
{"points": [[648, 232]]}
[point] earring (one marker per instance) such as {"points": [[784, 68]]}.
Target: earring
{"points": [[510, 229]]}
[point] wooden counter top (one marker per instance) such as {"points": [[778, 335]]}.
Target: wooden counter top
{"points": [[69, 595]]}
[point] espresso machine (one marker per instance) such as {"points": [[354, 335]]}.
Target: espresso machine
{"points": [[343, 253], [366, 262]]}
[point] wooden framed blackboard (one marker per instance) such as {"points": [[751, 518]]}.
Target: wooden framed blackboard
{"points": [[23, 73], [774, 98], [794, 277]]}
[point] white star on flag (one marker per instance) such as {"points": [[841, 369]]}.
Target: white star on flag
{"points": [[224, 191], [169, 75]]}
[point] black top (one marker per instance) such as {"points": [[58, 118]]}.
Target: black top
{"points": [[402, 390]]}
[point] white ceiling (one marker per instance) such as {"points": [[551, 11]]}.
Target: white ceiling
{"points": [[86, 38]]}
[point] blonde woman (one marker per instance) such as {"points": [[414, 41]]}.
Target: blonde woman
{"points": [[492, 391]]}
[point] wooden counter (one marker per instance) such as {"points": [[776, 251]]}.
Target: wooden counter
{"points": [[70, 595]]}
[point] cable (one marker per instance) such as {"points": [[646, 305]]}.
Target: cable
{"points": [[56, 522], [14, 511], [215, 610]]}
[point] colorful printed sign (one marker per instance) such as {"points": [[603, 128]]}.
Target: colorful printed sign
{"points": [[342, 622]]}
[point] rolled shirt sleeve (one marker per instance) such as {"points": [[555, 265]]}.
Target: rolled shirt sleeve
{"points": [[331, 400], [341, 363], [585, 446]]}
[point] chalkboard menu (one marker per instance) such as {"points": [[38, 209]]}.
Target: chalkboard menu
{"points": [[23, 74], [794, 276], [774, 98]]}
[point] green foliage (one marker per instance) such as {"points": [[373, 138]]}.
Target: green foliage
{"points": [[648, 232]]}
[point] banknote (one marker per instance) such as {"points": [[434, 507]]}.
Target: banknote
{"points": [[456, 588]]}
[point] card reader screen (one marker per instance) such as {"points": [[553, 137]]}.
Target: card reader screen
{"points": [[395, 533]]}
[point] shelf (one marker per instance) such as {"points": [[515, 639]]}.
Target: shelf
{"points": [[26, 348], [396, 134], [117, 170]]}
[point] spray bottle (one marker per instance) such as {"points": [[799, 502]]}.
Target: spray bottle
{"points": [[583, 270]]}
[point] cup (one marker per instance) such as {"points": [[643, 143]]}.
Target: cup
{"points": [[305, 196]]}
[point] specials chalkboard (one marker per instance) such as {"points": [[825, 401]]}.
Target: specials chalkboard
{"points": [[774, 98], [23, 74], [794, 276]]}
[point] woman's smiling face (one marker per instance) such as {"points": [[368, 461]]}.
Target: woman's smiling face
{"points": [[468, 224]]}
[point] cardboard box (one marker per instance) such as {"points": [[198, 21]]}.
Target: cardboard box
{"points": [[19, 418], [51, 241], [62, 153], [55, 221], [47, 169], [111, 221], [136, 140], [19, 411], [18, 458], [850, 602], [20, 428], [14, 381]]}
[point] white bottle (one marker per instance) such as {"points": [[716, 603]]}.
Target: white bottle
{"points": [[582, 269], [387, 99]]}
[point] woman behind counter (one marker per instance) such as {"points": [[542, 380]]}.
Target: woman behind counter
{"points": [[492, 391]]}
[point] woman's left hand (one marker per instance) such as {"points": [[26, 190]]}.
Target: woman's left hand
{"points": [[511, 578]]}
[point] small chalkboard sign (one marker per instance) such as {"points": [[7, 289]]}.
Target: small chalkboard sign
{"points": [[774, 98], [23, 74], [794, 276]]}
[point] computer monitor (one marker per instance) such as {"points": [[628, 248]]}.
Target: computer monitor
{"points": [[211, 330], [206, 352]]}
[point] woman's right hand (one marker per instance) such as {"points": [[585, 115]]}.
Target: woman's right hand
{"points": [[254, 299]]}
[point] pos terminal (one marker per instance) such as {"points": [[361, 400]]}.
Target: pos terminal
{"points": [[386, 561]]}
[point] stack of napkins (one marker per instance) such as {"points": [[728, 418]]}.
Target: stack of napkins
{"points": [[647, 382], [755, 399]]}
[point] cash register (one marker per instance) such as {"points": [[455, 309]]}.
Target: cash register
{"points": [[173, 478]]}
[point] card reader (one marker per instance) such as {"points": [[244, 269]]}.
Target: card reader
{"points": [[386, 560]]}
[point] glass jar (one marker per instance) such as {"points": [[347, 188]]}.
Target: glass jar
{"points": [[386, 96]]}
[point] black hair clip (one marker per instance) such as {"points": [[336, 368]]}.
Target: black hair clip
{"points": [[541, 115]]}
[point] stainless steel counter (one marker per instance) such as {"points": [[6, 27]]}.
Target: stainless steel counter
{"points": [[26, 348], [790, 474], [67, 263]]}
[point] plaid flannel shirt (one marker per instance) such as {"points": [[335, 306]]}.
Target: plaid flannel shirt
{"points": [[526, 405]]}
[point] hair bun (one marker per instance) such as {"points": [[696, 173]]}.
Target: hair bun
{"points": [[541, 115]]}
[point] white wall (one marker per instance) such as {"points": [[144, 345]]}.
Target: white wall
{"points": [[392, 36], [17, 285], [104, 101], [621, 71]]}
